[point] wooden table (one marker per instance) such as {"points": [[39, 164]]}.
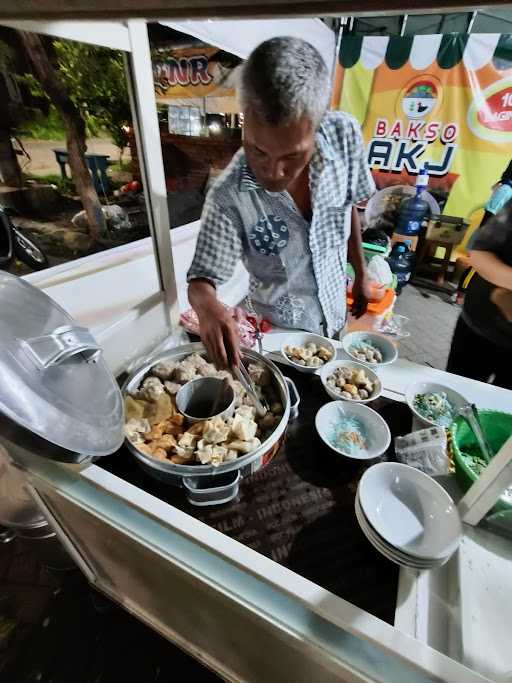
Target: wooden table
{"points": [[427, 250]]}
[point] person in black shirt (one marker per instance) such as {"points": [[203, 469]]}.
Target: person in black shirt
{"points": [[482, 342]]}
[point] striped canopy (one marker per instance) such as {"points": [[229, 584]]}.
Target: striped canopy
{"points": [[475, 50]]}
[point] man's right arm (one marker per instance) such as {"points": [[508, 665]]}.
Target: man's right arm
{"points": [[217, 328], [217, 252]]}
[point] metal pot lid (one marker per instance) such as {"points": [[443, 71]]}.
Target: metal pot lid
{"points": [[55, 382]]}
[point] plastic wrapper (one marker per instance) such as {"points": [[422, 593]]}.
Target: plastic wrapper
{"points": [[426, 450], [379, 271], [246, 329], [395, 326]]}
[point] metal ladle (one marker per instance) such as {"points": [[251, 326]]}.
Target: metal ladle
{"points": [[245, 380]]}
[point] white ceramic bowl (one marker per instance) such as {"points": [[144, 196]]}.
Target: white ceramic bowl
{"points": [[410, 510], [378, 436], [327, 371], [388, 550], [380, 341], [301, 339], [453, 397]]}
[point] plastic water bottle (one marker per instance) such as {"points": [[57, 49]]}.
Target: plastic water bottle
{"points": [[415, 209], [401, 261]]}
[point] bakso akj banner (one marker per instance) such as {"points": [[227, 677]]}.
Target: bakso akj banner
{"points": [[441, 99]]}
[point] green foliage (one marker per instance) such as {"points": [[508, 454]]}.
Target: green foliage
{"points": [[6, 55], [95, 79], [42, 127], [64, 185]]}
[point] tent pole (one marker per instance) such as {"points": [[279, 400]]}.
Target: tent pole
{"points": [[404, 24], [472, 20]]}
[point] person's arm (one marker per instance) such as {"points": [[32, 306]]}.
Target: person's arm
{"points": [[492, 243], [361, 287], [507, 173], [217, 252], [218, 330], [491, 268], [362, 188]]}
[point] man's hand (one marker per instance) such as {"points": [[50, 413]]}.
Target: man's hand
{"points": [[219, 333], [361, 287], [361, 295], [218, 330]]}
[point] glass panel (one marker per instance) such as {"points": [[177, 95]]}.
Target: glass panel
{"points": [[437, 23], [72, 207], [462, 600], [199, 118], [68, 189], [493, 21], [378, 26]]}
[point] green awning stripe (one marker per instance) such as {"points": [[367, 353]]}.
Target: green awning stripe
{"points": [[450, 52], [350, 50], [451, 49], [398, 51], [503, 52]]}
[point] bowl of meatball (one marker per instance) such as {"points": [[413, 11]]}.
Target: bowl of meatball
{"points": [[369, 348], [307, 352], [350, 381]]}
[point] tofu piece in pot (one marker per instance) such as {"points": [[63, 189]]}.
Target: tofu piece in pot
{"points": [[215, 431], [244, 446], [164, 370], [244, 428], [151, 389]]}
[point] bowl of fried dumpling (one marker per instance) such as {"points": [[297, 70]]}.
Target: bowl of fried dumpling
{"points": [[307, 352]]}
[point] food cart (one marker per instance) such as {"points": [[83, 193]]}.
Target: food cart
{"points": [[194, 577]]}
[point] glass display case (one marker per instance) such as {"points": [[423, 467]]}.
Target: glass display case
{"points": [[220, 584]]}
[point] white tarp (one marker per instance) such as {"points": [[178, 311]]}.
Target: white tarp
{"points": [[241, 36]]}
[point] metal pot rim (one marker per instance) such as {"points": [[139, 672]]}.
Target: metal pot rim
{"points": [[197, 470]]}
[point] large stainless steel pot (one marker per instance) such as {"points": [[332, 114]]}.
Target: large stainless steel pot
{"points": [[206, 484], [21, 518], [58, 399]]}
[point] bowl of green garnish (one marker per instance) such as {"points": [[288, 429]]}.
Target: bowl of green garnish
{"points": [[434, 404], [467, 457]]}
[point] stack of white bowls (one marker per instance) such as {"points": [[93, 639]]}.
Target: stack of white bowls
{"points": [[407, 516]]}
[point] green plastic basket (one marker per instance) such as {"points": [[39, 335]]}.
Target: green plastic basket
{"points": [[497, 428]]}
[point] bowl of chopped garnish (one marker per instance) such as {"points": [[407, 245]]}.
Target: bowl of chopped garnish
{"points": [[352, 430], [467, 456], [369, 348], [434, 404]]}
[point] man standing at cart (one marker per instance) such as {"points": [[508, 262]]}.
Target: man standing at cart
{"points": [[285, 204]]}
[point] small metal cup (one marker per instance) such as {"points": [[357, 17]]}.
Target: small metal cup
{"points": [[197, 399]]}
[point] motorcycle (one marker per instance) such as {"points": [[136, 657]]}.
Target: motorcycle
{"points": [[14, 244]]}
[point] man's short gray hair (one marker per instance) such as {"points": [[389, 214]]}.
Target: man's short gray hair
{"points": [[284, 79]]}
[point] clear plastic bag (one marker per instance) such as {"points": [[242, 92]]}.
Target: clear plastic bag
{"points": [[426, 450], [379, 271], [246, 329]]}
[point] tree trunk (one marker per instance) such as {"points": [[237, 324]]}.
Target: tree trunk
{"points": [[10, 171], [75, 130]]}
